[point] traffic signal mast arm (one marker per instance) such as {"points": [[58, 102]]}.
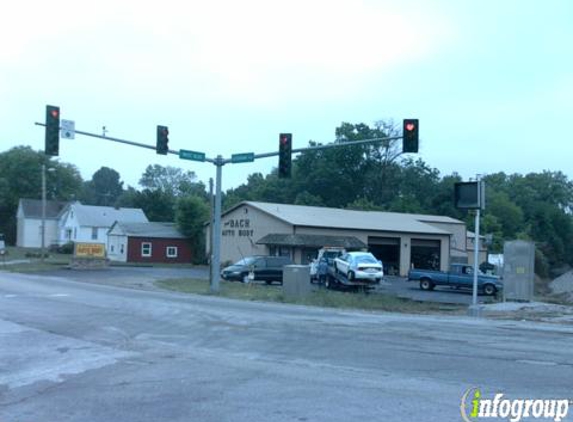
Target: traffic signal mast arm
{"points": [[328, 146], [220, 160], [123, 141]]}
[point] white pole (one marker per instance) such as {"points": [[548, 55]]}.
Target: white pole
{"points": [[476, 258], [43, 212]]}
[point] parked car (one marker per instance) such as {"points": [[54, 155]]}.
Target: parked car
{"points": [[359, 266], [459, 276], [258, 267]]}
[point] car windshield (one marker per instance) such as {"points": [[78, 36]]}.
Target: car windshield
{"points": [[365, 259], [250, 260]]}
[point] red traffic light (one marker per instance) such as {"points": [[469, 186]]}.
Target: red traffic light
{"points": [[55, 113], [410, 127]]}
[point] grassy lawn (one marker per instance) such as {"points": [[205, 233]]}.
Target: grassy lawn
{"points": [[33, 258], [320, 297]]}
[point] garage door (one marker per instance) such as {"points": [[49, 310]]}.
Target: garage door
{"points": [[387, 250], [426, 254]]}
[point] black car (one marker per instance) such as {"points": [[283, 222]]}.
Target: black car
{"points": [[264, 268]]}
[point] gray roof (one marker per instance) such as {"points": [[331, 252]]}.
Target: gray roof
{"points": [[312, 240], [306, 216], [150, 229], [94, 216], [32, 208]]}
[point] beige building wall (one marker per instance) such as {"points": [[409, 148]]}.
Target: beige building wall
{"points": [[482, 255], [242, 228]]}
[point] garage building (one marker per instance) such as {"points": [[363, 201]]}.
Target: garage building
{"points": [[399, 240]]}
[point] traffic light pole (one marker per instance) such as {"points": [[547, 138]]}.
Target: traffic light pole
{"points": [[219, 162], [216, 228]]}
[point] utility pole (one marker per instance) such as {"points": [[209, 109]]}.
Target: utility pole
{"points": [[43, 252], [211, 215]]}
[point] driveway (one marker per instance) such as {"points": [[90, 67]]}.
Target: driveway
{"points": [[142, 278], [400, 287]]}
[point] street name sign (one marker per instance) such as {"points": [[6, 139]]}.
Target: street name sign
{"points": [[191, 155]]}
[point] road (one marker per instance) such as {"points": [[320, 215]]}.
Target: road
{"points": [[72, 351]]}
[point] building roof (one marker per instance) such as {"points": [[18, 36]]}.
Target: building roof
{"points": [[311, 240], [94, 216], [32, 208], [149, 229], [306, 216]]}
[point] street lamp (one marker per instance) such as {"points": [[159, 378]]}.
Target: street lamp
{"points": [[43, 253]]}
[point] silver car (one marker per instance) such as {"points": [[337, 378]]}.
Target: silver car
{"points": [[359, 266]]}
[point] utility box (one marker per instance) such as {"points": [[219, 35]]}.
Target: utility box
{"points": [[296, 281], [518, 270]]}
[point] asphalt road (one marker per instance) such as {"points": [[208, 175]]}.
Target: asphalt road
{"points": [[87, 352]]}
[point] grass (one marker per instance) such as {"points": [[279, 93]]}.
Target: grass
{"points": [[34, 264], [320, 297]]}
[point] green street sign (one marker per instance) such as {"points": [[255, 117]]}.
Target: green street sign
{"points": [[191, 155], [246, 157]]}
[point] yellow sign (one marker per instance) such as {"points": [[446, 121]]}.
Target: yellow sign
{"points": [[89, 250]]}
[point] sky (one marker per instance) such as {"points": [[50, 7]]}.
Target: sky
{"points": [[490, 80]]}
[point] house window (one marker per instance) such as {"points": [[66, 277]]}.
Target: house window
{"points": [[146, 249], [171, 251], [69, 234], [75, 233], [94, 233], [112, 249], [121, 249]]}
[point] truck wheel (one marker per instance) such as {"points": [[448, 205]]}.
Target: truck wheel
{"points": [[350, 276], [489, 289], [426, 284]]}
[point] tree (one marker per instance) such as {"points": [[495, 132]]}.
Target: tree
{"points": [[191, 214], [172, 180], [21, 177], [156, 204], [104, 189]]}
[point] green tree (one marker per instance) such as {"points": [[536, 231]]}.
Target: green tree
{"points": [[104, 188], [21, 177], [191, 214], [172, 180], [156, 204]]}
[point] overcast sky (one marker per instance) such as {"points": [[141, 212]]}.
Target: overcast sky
{"points": [[490, 80]]}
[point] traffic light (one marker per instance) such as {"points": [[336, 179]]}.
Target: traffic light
{"points": [[285, 151], [162, 146], [410, 135], [52, 140]]}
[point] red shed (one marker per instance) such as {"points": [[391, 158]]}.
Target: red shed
{"points": [[147, 242]]}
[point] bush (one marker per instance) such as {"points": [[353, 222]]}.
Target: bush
{"points": [[67, 249]]}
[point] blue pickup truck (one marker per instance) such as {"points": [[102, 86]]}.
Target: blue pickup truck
{"points": [[459, 276]]}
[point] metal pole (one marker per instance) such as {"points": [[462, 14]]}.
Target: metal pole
{"points": [[43, 212], [476, 258], [217, 228], [211, 228]]}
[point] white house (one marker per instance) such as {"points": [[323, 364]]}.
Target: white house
{"points": [[29, 222], [89, 223]]}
